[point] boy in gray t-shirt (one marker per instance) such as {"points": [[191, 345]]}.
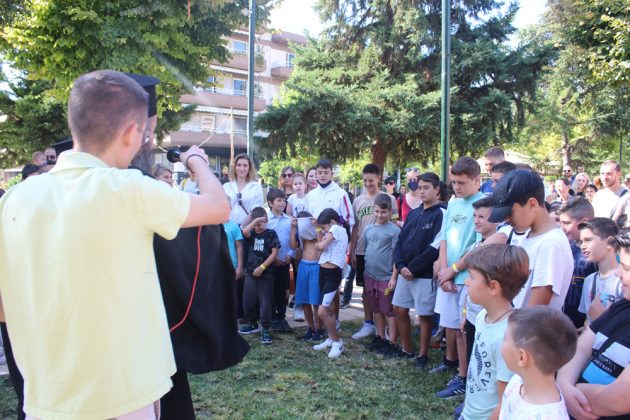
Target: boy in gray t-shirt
{"points": [[380, 239]]}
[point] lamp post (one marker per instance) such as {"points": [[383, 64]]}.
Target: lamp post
{"points": [[250, 75], [446, 85]]}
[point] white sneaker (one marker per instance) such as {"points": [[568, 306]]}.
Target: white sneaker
{"points": [[336, 349], [298, 314], [323, 345], [365, 331]]}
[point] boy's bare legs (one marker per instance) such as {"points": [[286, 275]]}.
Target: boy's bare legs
{"points": [[379, 320], [404, 327], [327, 315], [393, 328], [461, 353], [451, 345], [426, 324], [308, 315]]}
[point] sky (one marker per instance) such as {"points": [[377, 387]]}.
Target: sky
{"points": [[298, 16]]}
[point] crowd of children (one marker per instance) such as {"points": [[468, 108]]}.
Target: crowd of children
{"points": [[510, 283]]}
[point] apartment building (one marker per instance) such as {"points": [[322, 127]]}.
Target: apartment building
{"points": [[220, 120]]}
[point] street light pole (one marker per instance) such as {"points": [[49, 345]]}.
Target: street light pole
{"points": [[250, 75], [446, 86]]}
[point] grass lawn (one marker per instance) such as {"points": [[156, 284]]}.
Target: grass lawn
{"points": [[291, 380]]}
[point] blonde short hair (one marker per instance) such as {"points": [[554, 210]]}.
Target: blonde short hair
{"points": [[252, 175]]}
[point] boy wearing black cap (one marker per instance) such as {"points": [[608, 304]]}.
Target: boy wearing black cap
{"points": [[519, 197]]}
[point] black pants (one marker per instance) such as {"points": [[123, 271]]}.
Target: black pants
{"points": [[14, 373], [177, 403], [357, 271], [258, 293], [470, 330], [281, 278]]}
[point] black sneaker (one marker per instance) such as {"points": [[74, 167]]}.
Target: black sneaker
{"points": [[422, 362], [308, 336], [445, 366], [401, 354], [282, 326], [318, 336], [265, 337], [388, 349], [376, 343], [344, 304], [292, 302]]}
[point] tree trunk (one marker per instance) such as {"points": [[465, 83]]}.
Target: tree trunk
{"points": [[566, 148], [379, 154]]}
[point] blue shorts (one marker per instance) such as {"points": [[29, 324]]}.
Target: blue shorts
{"points": [[307, 287]]}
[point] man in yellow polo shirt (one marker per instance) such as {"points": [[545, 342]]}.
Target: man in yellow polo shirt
{"points": [[78, 282]]}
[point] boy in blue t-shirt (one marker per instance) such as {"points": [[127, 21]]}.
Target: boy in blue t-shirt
{"points": [[458, 235]]}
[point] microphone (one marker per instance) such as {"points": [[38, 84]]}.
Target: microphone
{"points": [[173, 154]]}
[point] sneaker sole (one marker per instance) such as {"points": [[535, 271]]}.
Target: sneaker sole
{"points": [[249, 332], [450, 397]]}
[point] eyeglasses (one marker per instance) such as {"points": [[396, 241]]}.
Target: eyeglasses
{"points": [[239, 197], [568, 170], [411, 169], [51, 157], [287, 175], [391, 183]]}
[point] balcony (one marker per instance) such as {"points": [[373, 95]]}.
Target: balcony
{"points": [[217, 139], [240, 60], [282, 70], [286, 37], [223, 98]]}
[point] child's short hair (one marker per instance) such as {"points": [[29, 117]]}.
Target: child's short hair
{"points": [[383, 201], [577, 208], [160, 169], [432, 178], [603, 227], [445, 193], [494, 152], [466, 166], [304, 213], [298, 175], [274, 193], [371, 168], [507, 264], [553, 207], [327, 216], [258, 212], [483, 203], [503, 167], [547, 334], [324, 163]]}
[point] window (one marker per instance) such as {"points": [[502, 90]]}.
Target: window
{"points": [[240, 125], [290, 58], [207, 123], [239, 47], [240, 87]]}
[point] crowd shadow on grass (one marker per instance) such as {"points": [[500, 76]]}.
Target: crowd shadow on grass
{"points": [[291, 380]]}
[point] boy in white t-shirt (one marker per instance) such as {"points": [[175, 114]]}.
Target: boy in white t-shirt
{"points": [[332, 240], [538, 342], [602, 288], [520, 198], [496, 273]]}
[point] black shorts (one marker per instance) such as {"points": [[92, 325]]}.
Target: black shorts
{"points": [[329, 281]]}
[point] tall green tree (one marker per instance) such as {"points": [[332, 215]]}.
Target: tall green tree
{"points": [[57, 40], [372, 81], [31, 121]]}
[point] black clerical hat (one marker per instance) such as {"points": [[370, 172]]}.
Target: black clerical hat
{"points": [[148, 84]]}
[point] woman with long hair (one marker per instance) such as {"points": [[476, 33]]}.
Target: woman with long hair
{"points": [[311, 179], [580, 183], [243, 191], [285, 181]]}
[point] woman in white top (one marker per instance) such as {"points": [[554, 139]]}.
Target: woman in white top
{"points": [[244, 192]]}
